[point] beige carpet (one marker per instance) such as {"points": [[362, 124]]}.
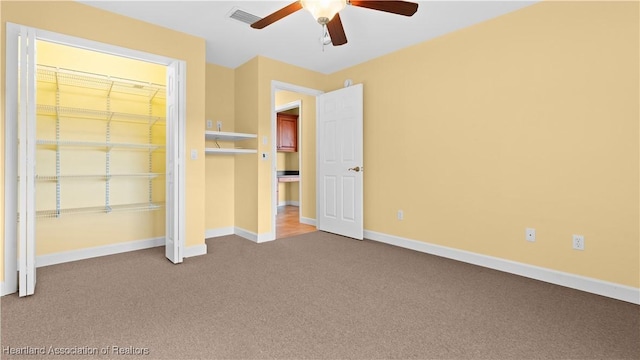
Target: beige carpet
{"points": [[317, 296]]}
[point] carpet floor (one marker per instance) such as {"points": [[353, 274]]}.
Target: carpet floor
{"points": [[312, 296]]}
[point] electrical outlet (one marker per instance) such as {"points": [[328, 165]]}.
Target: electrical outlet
{"points": [[400, 215], [209, 124], [578, 242], [530, 234], [219, 125]]}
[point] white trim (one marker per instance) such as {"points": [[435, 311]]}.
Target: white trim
{"points": [[92, 252], [266, 237], [591, 285], [195, 250], [288, 106], [308, 221], [105, 48], [249, 235], [2, 289], [10, 284], [283, 86], [288, 202], [210, 233], [256, 238]]}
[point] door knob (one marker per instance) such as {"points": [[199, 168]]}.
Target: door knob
{"points": [[356, 169]]}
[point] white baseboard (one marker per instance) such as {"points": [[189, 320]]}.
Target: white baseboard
{"points": [[308, 221], [2, 290], [209, 233], [292, 203], [595, 286], [249, 235], [257, 238], [80, 254], [195, 250]]}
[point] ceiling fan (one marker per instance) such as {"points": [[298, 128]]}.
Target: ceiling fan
{"points": [[326, 12]]}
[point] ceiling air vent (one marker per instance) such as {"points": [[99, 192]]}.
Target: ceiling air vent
{"points": [[243, 16]]}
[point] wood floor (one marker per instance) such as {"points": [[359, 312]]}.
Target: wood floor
{"points": [[288, 222]]}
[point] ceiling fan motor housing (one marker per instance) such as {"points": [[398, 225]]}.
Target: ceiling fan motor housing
{"points": [[323, 10]]}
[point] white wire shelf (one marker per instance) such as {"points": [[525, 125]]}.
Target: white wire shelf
{"points": [[99, 145], [100, 209], [108, 84], [99, 177], [87, 114], [228, 136]]}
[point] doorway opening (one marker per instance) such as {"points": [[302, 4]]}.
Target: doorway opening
{"points": [[294, 168], [289, 190]]}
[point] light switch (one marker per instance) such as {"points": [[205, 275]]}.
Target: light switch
{"points": [[194, 154]]}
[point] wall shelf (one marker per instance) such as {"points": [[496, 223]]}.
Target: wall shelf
{"points": [[107, 84], [101, 115], [97, 176], [64, 119], [228, 136], [229, 151], [97, 144], [99, 209]]}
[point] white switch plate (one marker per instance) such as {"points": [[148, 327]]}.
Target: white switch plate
{"points": [[209, 124], [265, 140], [530, 234], [194, 154], [400, 215]]}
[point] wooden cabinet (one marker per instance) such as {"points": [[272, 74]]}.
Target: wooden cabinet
{"points": [[287, 132]]}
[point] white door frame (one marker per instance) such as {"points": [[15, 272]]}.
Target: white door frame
{"points": [[10, 283], [275, 87]]}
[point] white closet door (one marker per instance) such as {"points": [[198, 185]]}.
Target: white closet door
{"points": [[175, 232], [26, 162]]}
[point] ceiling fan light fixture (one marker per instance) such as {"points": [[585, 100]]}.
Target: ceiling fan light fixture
{"points": [[323, 10]]}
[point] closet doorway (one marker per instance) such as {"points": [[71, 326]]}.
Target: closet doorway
{"points": [[93, 140]]}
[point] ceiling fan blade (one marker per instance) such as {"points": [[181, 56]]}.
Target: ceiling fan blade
{"points": [[336, 31], [270, 19], [405, 8]]}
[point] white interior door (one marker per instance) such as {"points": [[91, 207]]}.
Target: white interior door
{"points": [[175, 232], [26, 162], [340, 162]]}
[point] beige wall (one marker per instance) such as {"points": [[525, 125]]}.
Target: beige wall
{"points": [[246, 111], [72, 18], [528, 120], [253, 115], [219, 169]]}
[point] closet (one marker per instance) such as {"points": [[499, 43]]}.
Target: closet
{"points": [[100, 149]]}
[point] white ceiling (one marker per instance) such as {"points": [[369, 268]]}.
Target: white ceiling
{"points": [[295, 39]]}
